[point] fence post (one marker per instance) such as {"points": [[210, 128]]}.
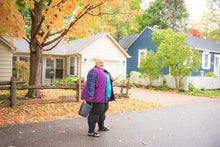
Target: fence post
{"points": [[128, 86], [13, 92], [78, 90], [121, 91]]}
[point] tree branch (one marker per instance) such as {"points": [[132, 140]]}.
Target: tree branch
{"points": [[28, 41], [80, 15], [49, 34], [52, 46]]}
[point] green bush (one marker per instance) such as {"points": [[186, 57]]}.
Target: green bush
{"points": [[68, 80], [211, 74]]}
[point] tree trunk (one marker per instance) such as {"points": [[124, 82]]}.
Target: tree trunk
{"points": [[35, 72], [35, 50]]}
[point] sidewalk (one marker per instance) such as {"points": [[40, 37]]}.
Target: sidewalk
{"points": [[166, 98]]}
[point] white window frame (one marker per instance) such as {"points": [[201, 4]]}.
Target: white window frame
{"points": [[54, 67], [139, 55], [75, 65], [216, 72], [204, 62]]}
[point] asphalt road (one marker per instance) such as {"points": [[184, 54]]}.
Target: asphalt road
{"points": [[194, 125]]}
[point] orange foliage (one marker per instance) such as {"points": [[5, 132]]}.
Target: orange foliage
{"points": [[11, 21], [194, 32], [61, 18]]}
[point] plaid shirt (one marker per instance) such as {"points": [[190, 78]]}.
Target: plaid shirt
{"points": [[91, 82]]}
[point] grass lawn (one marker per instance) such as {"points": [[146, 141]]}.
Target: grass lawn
{"points": [[206, 93], [31, 113]]}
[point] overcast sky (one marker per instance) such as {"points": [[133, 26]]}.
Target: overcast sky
{"points": [[195, 8]]}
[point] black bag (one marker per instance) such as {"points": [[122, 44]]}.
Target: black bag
{"points": [[85, 109]]}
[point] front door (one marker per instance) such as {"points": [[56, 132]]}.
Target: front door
{"points": [[217, 65]]}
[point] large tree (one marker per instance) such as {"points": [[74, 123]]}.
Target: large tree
{"points": [[165, 14], [175, 54], [49, 22]]}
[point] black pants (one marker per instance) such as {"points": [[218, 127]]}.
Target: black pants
{"points": [[97, 114]]}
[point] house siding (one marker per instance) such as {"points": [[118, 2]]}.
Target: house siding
{"points": [[144, 41], [211, 69], [5, 62], [107, 49]]}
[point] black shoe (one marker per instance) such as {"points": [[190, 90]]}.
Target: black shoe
{"points": [[94, 134], [104, 129]]}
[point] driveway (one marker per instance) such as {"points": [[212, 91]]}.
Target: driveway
{"points": [[166, 98]]}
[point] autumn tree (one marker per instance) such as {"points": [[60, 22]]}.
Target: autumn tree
{"points": [[165, 14], [175, 54], [150, 66], [121, 20], [50, 22], [209, 22]]}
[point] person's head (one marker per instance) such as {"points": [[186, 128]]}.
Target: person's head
{"points": [[99, 62]]}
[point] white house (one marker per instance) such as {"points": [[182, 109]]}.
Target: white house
{"points": [[76, 58]]}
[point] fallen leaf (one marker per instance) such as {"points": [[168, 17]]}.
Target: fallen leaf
{"points": [[77, 124], [20, 132], [144, 143], [62, 132]]}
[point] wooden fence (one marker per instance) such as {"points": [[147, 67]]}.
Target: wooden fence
{"points": [[14, 85]]}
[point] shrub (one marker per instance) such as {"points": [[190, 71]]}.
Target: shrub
{"points": [[22, 68], [65, 81], [211, 74]]}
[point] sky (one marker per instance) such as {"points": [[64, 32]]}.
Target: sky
{"points": [[195, 8]]}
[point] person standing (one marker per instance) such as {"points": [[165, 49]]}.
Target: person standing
{"points": [[97, 92]]}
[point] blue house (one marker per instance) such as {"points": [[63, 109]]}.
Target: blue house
{"points": [[137, 46]]}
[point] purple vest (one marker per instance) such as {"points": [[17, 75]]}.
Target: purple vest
{"points": [[100, 88]]}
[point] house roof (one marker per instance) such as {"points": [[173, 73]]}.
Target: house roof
{"points": [[7, 43], [204, 44], [67, 48], [192, 41], [127, 41]]}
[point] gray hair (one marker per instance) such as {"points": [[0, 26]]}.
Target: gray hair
{"points": [[98, 58]]}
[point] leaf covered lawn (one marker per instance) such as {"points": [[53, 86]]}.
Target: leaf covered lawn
{"points": [[32, 113]]}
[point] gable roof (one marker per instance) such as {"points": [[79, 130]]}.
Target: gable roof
{"points": [[7, 43], [72, 47], [192, 41], [203, 44], [127, 41]]}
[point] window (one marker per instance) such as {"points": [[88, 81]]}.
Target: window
{"points": [[206, 60], [23, 59], [72, 65], [18, 58], [49, 67], [14, 59], [217, 65], [56, 66], [141, 53], [59, 68]]}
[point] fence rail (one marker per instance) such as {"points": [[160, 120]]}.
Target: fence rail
{"points": [[14, 85]]}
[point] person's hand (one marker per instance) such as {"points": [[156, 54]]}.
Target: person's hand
{"points": [[112, 79]]}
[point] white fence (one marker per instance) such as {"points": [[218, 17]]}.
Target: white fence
{"points": [[198, 82]]}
